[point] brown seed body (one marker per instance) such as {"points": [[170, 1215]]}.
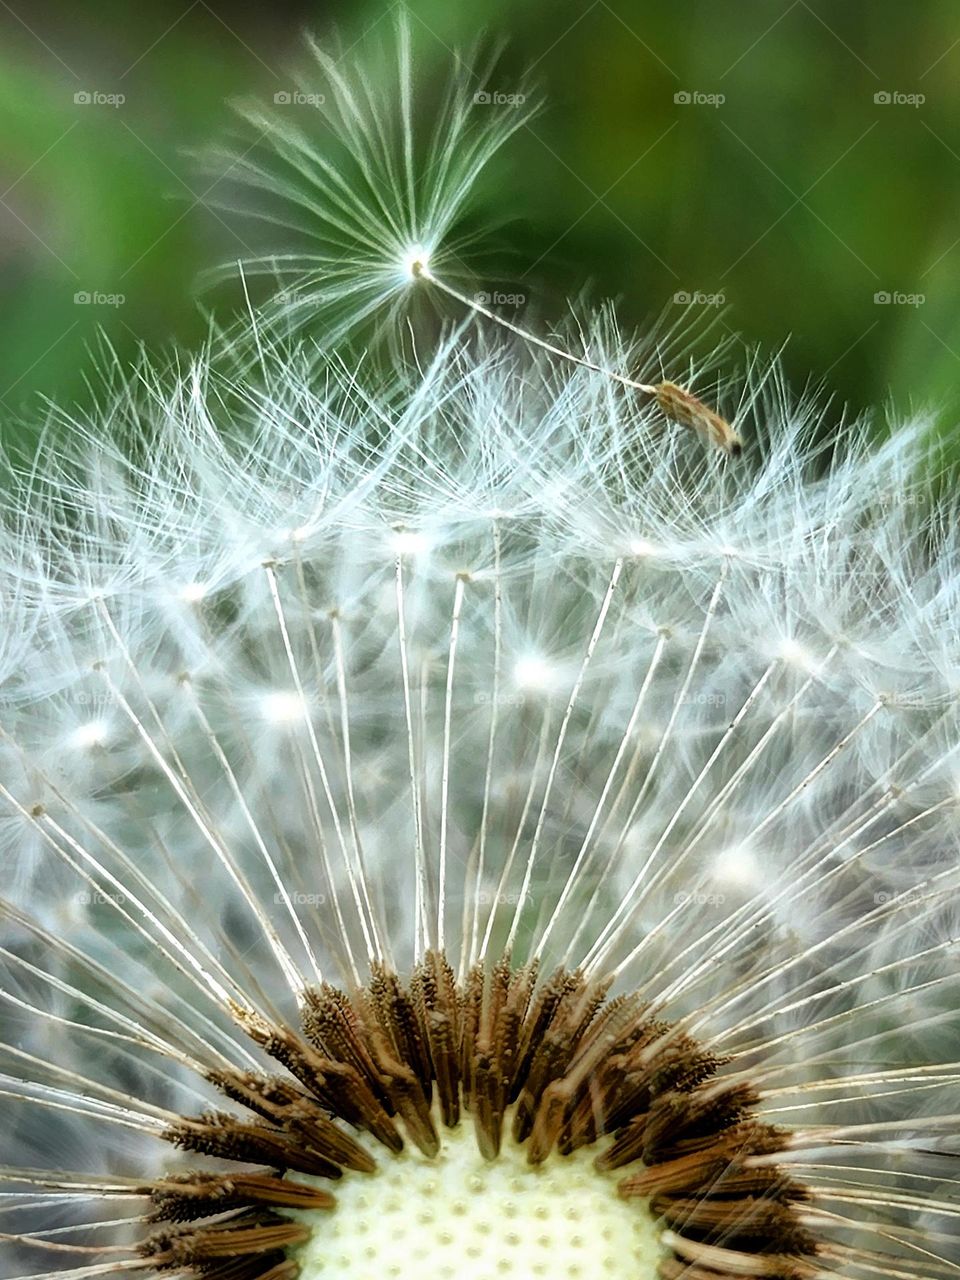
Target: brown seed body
{"points": [[684, 407]]}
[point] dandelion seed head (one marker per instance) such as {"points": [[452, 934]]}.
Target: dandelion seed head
{"points": [[688, 782], [538, 834]]}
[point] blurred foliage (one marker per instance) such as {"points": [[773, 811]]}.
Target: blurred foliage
{"points": [[784, 185]]}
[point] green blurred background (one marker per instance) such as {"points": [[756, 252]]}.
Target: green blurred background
{"points": [[799, 160]]}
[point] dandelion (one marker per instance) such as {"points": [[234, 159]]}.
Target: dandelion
{"points": [[455, 826]]}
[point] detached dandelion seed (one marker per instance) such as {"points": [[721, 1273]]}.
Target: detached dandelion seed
{"points": [[389, 231], [675, 403], [532, 850]]}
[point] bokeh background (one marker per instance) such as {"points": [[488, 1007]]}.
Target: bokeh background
{"points": [[791, 164]]}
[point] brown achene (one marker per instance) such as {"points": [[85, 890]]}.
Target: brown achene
{"points": [[557, 1059]]}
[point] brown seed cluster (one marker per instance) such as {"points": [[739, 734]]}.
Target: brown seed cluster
{"points": [[555, 1058]]}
